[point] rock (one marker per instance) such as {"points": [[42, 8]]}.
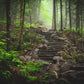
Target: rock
{"points": [[54, 36], [80, 59], [44, 46], [35, 57], [61, 53], [52, 31], [44, 41], [40, 45], [28, 58], [53, 67], [22, 58], [57, 59], [61, 38], [35, 53], [65, 66]]}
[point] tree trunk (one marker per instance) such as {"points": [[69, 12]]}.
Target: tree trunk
{"points": [[66, 14], [39, 9], [54, 16], [70, 14], [57, 15], [77, 16], [8, 23], [61, 14], [81, 22], [30, 17], [21, 22]]}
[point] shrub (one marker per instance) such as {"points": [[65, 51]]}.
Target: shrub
{"points": [[5, 74], [31, 78]]}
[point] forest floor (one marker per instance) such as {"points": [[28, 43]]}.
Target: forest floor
{"points": [[47, 57]]}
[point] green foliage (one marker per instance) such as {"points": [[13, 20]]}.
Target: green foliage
{"points": [[68, 29], [3, 40], [17, 23], [2, 33], [31, 78], [7, 56], [32, 67], [26, 44], [5, 74], [30, 37], [2, 21], [45, 77], [27, 25], [2, 45], [74, 62], [15, 60], [78, 30], [40, 38]]}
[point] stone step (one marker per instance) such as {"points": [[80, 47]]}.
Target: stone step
{"points": [[54, 43], [46, 53], [78, 67], [80, 74], [50, 49], [46, 58], [56, 46], [53, 46]]}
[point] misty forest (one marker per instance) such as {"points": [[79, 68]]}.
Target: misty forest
{"points": [[41, 42]]}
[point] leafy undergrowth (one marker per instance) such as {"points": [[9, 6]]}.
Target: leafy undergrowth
{"points": [[13, 69], [75, 52]]}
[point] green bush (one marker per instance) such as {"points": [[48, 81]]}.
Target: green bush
{"points": [[2, 45], [5, 74], [2, 21], [26, 44], [15, 60], [40, 38], [31, 78], [32, 67], [17, 23], [7, 56]]}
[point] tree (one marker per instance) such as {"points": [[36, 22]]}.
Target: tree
{"points": [[54, 16], [61, 15], [8, 23], [77, 14], [22, 11], [70, 14], [66, 13]]}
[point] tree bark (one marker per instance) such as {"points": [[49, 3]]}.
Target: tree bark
{"points": [[81, 22], [77, 16], [21, 22], [66, 14], [61, 15], [8, 23], [70, 14], [39, 9], [54, 16]]}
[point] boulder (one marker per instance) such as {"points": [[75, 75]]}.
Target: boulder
{"points": [[57, 59], [22, 58], [27, 57]]}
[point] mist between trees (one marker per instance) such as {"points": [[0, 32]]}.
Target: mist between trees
{"points": [[56, 14]]}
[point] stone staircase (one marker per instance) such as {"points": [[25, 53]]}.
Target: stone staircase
{"points": [[53, 46]]}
